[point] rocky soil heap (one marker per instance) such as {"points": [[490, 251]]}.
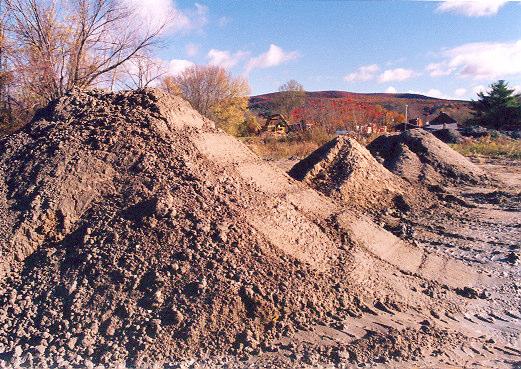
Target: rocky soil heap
{"points": [[419, 156], [347, 171], [133, 231]]}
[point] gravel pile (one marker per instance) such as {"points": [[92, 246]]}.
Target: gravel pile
{"points": [[419, 156], [346, 171], [135, 232], [449, 136]]}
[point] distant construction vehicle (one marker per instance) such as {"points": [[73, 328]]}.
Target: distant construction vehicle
{"points": [[277, 124]]}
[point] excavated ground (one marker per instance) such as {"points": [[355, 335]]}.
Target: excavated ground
{"points": [[476, 222], [135, 233]]}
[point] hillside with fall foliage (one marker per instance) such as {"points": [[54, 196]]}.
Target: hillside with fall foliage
{"points": [[371, 105]]}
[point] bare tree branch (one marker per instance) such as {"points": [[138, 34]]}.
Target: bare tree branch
{"points": [[75, 43]]}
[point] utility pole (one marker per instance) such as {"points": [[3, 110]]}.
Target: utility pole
{"points": [[406, 120]]}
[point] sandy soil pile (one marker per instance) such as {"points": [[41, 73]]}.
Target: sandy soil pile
{"points": [[346, 171], [134, 231], [419, 156]]}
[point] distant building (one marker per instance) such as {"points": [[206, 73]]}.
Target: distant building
{"points": [[277, 124], [406, 126], [442, 121]]}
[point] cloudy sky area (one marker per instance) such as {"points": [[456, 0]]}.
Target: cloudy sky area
{"points": [[444, 49]]}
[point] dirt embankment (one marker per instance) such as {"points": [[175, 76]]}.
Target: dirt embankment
{"points": [[134, 231]]}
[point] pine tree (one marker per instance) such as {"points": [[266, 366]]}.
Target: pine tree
{"points": [[499, 108]]}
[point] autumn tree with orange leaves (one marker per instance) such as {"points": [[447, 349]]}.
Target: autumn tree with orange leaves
{"points": [[216, 94]]}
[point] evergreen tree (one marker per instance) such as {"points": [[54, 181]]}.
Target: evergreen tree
{"points": [[498, 108]]}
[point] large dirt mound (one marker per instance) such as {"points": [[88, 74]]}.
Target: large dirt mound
{"points": [[419, 156], [134, 231], [345, 170]]}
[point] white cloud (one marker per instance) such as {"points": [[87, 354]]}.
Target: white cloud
{"points": [[435, 93], [155, 13], [476, 8], [177, 66], [479, 88], [192, 49], [460, 92], [198, 17], [224, 58], [398, 74], [391, 90], [271, 58], [480, 60], [438, 69], [362, 74], [517, 89]]}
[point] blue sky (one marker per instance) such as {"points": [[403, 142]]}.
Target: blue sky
{"points": [[444, 49]]}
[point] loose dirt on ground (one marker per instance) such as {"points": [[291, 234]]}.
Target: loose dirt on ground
{"points": [[476, 219], [135, 233]]}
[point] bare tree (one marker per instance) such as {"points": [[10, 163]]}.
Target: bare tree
{"points": [[143, 71], [62, 44], [291, 95], [6, 80]]}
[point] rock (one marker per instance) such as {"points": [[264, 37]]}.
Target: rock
{"points": [[340, 355], [165, 206], [17, 352], [71, 343], [247, 339], [172, 316], [513, 258], [467, 292], [485, 294]]}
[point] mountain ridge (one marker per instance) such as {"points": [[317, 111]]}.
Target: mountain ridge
{"points": [[349, 94], [421, 106]]}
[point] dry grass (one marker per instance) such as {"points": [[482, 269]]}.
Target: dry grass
{"points": [[293, 146], [296, 146], [280, 149], [491, 147]]}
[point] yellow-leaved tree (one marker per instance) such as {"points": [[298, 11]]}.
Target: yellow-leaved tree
{"points": [[216, 94]]}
